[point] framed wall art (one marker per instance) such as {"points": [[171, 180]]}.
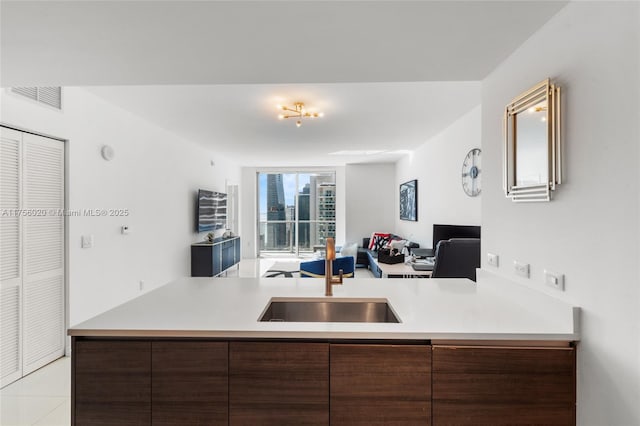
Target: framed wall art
{"points": [[409, 200]]}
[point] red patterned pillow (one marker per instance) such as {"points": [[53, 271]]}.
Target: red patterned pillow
{"points": [[378, 240]]}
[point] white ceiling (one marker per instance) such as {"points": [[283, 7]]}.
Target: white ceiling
{"points": [[387, 74], [240, 120]]}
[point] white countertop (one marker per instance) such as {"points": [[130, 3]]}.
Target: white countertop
{"points": [[428, 309]]}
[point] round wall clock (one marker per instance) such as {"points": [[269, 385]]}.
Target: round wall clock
{"points": [[471, 173]]}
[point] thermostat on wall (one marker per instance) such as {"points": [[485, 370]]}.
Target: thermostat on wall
{"points": [[107, 152]]}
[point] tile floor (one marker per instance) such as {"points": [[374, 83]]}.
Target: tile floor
{"points": [[43, 398]]}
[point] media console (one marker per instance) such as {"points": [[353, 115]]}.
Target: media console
{"points": [[212, 259]]}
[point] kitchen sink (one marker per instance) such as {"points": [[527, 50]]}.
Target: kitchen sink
{"points": [[323, 310]]}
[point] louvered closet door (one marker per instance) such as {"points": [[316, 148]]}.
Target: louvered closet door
{"points": [[43, 250], [10, 256]]}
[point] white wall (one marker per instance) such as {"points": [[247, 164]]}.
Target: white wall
{"points": [[249, 201], [590, 231], [154, 174], [370, 200], [437, 164]]}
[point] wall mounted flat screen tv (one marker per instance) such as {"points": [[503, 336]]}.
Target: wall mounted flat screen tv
{"points": [[211, 210]]}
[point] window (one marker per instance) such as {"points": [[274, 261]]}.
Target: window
{"points": [[297, 211]]}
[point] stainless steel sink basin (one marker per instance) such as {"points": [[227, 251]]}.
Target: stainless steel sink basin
{"points": [[323, 310]]}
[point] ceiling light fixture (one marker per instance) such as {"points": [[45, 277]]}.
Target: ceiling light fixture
{"points": [[297, 111]]}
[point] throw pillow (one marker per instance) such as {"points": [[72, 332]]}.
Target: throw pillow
{"points": [[397, 244], [378, 240], [349, 249]]}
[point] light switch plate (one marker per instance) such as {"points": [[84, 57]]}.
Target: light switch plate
{"points": [[554, 280], [493, 259], [522, 269]]}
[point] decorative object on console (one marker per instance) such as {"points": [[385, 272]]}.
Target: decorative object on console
{"points": [[532, 163], [298, 111], [471, 173], [409, 200]]}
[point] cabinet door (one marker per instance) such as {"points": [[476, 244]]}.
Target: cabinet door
{"points": [[236, 247], [227, 256], [112, 383], [278, 383], [190, 385], [380, 385], [503, 386], [217, 259]]}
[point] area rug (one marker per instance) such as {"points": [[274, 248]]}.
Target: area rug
{"points": [[283, 270]]}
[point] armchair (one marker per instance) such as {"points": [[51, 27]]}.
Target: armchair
{"points": [[457, 258], [315, 268]]}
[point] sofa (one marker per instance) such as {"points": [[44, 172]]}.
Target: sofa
{"points": [[366, 257]]}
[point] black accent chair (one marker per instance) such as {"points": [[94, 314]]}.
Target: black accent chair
{"points": [[457, 258]]}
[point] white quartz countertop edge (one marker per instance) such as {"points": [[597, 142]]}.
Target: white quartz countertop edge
{"points": [[429, 309]]}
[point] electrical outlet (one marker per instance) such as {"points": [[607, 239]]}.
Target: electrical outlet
{"points": [[87, 241], [521, 269], [554, 280], [493, 259]]}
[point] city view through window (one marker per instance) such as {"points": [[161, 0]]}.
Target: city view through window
{"points": [[297, 211]]}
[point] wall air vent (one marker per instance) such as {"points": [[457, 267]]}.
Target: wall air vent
{"points": [[51, 96]]}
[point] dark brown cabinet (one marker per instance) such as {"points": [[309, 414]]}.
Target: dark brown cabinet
{"points": [[278, 383], [211, 382], [503, 386], [111, 383], [380, 384], [190, 383]]}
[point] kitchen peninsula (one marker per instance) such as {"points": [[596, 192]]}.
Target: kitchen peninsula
{"points": [[195, 352]]}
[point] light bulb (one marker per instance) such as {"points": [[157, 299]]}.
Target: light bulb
{"points": [[298, 123], [280, 116], [321, 114]]}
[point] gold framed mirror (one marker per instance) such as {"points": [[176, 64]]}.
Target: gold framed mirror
{"points": [[532, 144]]}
